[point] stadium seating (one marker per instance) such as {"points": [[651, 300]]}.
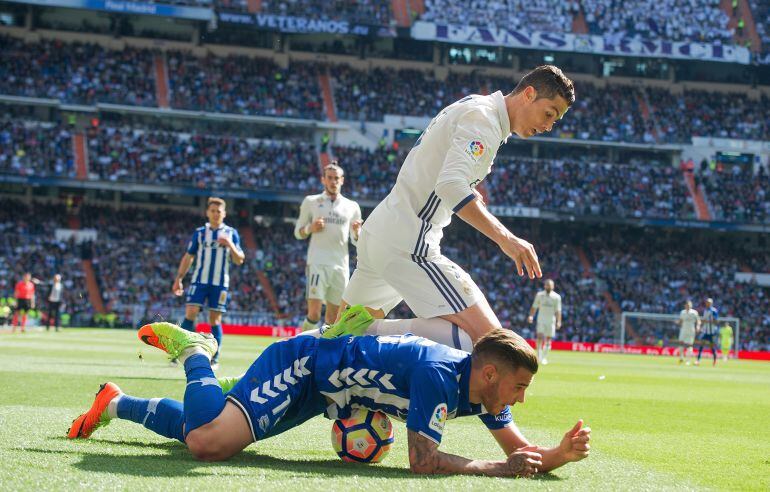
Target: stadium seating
{"points": [[538, 15], [672, 20]]}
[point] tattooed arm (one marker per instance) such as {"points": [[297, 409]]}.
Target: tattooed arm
{"points": [[425, 458]]}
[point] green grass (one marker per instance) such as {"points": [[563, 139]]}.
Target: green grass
{"points": [[656, 425]]}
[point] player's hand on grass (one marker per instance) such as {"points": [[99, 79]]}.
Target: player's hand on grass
{"points": [[575, 444], [317, 225], [523, 254], [525, 462], [177, 288]]}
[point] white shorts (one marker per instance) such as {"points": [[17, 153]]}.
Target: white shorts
{"points": [[431, 287], [687, 336], [326, 283], [546, 329]]}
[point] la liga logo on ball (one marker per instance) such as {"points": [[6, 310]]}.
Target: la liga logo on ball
{"points": [[475, 149]]}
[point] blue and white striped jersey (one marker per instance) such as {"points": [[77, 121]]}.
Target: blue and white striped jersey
{"points": [[408, 377], [212, 260], [709, 321]]}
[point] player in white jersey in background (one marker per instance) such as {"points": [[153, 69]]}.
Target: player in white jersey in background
{"points": [[212, 247], [330, 220], [547, 303], [399, 257], [689, 324]]}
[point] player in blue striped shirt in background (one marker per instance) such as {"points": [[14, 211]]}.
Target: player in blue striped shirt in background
{"points": [[212, 248], [709, 330]]}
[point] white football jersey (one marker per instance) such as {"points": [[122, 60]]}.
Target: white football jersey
{"points": [[453, 154], [329, 246], [547, 305], [689, 319]]}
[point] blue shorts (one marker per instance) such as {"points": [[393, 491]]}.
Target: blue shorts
{"points": [[212, 296], [707, 338], [278, 392]]}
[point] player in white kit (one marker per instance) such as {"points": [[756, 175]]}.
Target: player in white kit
{"points": [[547, 304], [689, 324], [330, 220], [399, 256]]}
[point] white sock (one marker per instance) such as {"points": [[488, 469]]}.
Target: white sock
{"points": [[112, 406], [546, 348], [310, 333], [190, 351], [308, 325], [437, 329]]}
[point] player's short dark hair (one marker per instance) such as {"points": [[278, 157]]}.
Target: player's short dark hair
{"points": [[334, 166], [506, 348], [549, 81], [215, 200]]}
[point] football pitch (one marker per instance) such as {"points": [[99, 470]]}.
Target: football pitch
{"points": [[656, 425]]}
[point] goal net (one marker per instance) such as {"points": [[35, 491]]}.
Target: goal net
{"points": [[638, 329]]}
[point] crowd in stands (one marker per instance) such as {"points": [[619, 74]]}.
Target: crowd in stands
{"points": [[760, 11], [87, 74], [244, 85], [641, 269], [126, 154], [738, 194], [28, 243], [580, 184], [672, 20], [28, 149], [533, 15], [656, 271], [586, 187], [76, 73]]}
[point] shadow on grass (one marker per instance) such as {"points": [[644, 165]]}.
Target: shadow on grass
{"points": [[178, 462]]}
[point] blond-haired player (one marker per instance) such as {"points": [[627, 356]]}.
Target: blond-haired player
{"points": [[330, 220]]}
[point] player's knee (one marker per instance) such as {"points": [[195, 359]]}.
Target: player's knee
{"points": [[205, 447]]}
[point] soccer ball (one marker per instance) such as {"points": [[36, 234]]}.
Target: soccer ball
{"points": [[365, 437]]}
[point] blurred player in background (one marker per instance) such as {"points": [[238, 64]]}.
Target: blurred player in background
{"points": [[399, 254], [55, 296], [547, 303], [330, 220], [689, 324], [25, 300], [726, 340], [212, 247], [709, 330]]}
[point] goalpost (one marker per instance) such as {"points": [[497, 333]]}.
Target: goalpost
{"points": [[639, 328]]}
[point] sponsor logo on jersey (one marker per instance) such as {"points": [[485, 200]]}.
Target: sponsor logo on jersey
{"points": [[475, 149], [438, 418]]}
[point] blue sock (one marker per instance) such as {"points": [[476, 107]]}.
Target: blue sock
{"points": [[203, 398], [187, 324], [700, 351], [216, 330], [714, 352], [162, 416]]}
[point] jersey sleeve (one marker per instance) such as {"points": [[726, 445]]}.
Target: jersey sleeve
{"points": [[499, 421], [558, 304], [356, 216], [305, 218], [433, 392], [237, 240], [470, 147], [536, 302], [192, 246]]}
